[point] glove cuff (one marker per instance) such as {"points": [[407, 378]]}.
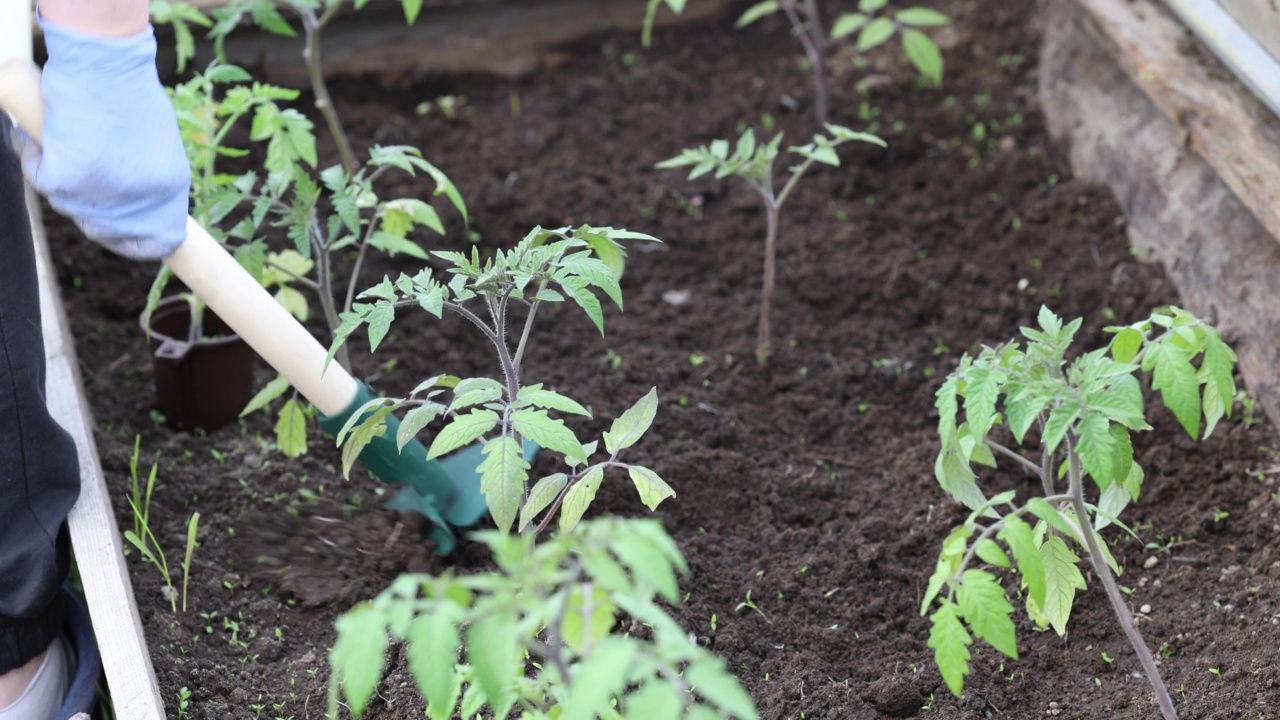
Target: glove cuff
{"points": [[83, 52]]}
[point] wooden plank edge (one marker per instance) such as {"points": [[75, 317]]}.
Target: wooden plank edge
{"points": [[1221, 121], [95, 537]]}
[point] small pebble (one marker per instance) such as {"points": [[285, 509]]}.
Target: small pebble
{"points": [[1151, 562], [676, 297], [1145, 609]]}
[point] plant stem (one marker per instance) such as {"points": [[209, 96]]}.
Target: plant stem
{"points": [[1113, 591], [813, 38], [355, 269], [1014, 455], [528, 324], [763, 332], [324, 281], [555, 506], [312, 26]]}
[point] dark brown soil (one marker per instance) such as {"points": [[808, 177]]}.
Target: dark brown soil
{"points": [[808, 484]]}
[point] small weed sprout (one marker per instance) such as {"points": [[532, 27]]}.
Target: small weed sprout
{"points": [[144, 539], [651, 16], [1085, 411], [868, 28], [754, 163]]}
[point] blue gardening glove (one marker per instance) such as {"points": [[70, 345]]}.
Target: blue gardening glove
{"points": [[112, 158]]}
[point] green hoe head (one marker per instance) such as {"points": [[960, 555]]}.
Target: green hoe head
{"points": [[446, 491]]}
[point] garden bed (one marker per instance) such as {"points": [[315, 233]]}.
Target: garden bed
{"points": [[809, 483]]}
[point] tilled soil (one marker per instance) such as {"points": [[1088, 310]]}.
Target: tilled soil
{"points": [[808, 483]]}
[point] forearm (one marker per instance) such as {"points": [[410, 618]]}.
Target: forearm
{"points": [[109, 18]]}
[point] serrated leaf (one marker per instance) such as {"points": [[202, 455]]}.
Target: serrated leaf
{"points": [[291, 429], [587, 619], [956, 477], [269, 392], [543, 493], [359, 653], [1097, 448], [647, 564], [982, 602], [947, 405], [294, 302], [991, 553], [1052, 516], [415, 420], [503, 473], [493, 651], [1060, 419], [1111, 502], [1175, 378], [475, 391], [653, 489], [1062, 579], [950, 643], [579, 498], [464, 429], [548, 432], [982, 388], [629, 427], [1017, 534], [654, 699], [551, 400], [432, 649]]}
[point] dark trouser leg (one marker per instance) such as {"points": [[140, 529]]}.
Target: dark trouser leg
{"points": [[39, 470]]}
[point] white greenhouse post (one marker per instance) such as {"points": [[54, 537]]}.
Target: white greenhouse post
{"points": [[1235, 47], [95, 538]]}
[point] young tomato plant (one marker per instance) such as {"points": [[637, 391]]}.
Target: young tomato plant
{"points": [[536, 635], [547, 266], [753, 162], [328, 217], [868, 28], [651, 15], [1085, 411]]}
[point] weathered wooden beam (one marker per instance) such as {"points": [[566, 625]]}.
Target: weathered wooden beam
{"points": [[95, 538], [1192, 157]]}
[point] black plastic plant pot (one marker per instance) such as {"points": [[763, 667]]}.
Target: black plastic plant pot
{"points": [[203, 379]]}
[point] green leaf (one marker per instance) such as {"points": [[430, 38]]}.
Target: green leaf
{"points": [[294, 302], [393, 245], [1023, 407], [503, 473], [950, 643], [543, 493], [757, 11], [947, 406], [1060, 419], [549, 432], [579, 498], [432, 652], [654, 699], [535, 395], [956, 477], [1017, 534], [599, 678], [358, 654], [875, 33], [588, 618], [379, 322], [1176, 380], [629, 427], [291, 429], [983, 604], [924, 54], [1097, 448], [411, 10], [1126, 344], [464, 429], [847, 24], [475, 391], [922, 17], [981, 391], [493, 650], [370, 427], [870, 6], [648, 565], [1050, 514], [709, 679], [1062, 579], [1122, 459], [415, 420], [991, 553], [269, 392], [577, 288], [653, 489]]}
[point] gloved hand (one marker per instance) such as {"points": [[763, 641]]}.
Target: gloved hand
{"points": [[112, 158]]}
